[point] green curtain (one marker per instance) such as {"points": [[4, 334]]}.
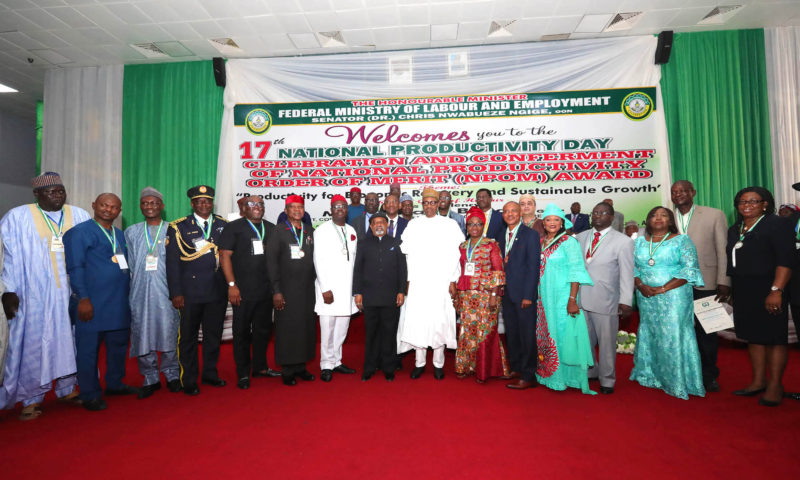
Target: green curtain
{"points": [[171, 121], [714, 90]]}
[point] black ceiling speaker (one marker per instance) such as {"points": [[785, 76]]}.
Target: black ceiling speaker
{"points": [[219, 70], [664, 47]]}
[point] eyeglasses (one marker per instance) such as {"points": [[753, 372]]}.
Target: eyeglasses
{"points": [[750, 202], [475, 224], [150, 204], [339, 207], [255, 204], [431, 202]]}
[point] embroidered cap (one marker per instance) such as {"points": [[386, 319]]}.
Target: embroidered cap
{"points": [[47, 179]]}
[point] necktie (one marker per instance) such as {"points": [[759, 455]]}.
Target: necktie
{"points": [[510, 234], [391, 228], [594, 244], [205, 226]]}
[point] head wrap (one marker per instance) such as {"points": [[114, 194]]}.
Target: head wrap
{"points": [[338, 198], [406, 197], [200, 191], [790, 206], [552, 209], [355, 189], [476, 212], [430, 193], [151, 192], [295, 199], [47, 179]]}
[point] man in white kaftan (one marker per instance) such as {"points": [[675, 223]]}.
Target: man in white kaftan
{"points": [[334, 256], [36, 299], [431, 244]]}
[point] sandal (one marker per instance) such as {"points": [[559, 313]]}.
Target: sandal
{"points": [[73, 398], [31, 412]]}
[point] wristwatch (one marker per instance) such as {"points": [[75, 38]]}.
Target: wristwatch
{"points": [[231, 284], [776, 289]]}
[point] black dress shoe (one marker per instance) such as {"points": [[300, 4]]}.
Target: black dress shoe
{"points": [[417, 372], [95, 405], [124, 390], [768, 403], [342, 368], [607, 390], [191, 390], [749, 393], [148, 390], [792, 395], [214, 382], [389, 376], [243, 383], [711, 386], [306, 375], [174, 386], [267, 373], [438, 373], [366, 376], [326, 375], [287, 380]]}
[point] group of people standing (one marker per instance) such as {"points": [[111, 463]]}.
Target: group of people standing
{"points": [[560, 281]]}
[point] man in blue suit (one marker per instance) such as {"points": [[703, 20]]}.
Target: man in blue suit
{"points": [[396, 224], [494, 219], [521, 248], [580, 221]]}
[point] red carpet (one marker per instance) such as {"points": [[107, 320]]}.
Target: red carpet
{"points": [[411, 429]]}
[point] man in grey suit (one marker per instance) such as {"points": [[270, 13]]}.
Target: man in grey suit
{"points": [[619, 219], [608, 255], [708, 229]]}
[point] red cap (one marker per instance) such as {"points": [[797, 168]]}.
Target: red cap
{"points": [[355, 189], [295, 199], [338, 198]]}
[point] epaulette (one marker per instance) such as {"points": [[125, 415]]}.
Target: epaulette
{"points": [[176, 222], [217, 217]]}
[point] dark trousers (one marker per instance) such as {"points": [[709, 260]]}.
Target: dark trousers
{"points": [[707, 343], [380, 327], [520, 326], [87, 344], [252, 325], [292, 369], [211, 315]]}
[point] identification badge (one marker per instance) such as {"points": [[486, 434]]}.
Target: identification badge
{"points": [[123, 264], [797, 245], [200, 243], [469, 269], [296, 252], [150, 263], [56, 244], [258, 247]]}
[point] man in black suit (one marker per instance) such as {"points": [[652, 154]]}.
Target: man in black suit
{"points": [[521, 248], [197, 287], [580, 221], [361, 222], [494, 219], [379, 285]]}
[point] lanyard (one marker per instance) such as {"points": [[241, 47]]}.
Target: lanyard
{"points": [[49, 221], [513, 237], [741, 228], [345, 249], [650, 248], [685, 226], [298, 239], [112, 239], [151, 245], [471, 249], [553, 241], [591, 250], [260, 234]]}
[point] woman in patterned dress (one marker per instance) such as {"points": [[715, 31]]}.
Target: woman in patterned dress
{"points": [[480, 350], [562, 337]]}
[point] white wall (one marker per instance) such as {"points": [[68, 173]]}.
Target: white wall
{"points": [[17, 160]]}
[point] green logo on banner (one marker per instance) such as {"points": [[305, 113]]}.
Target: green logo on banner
{"points": [[258, 121], [637, 106]]}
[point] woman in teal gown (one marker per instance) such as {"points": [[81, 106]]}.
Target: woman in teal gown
{"points": [[665, 270], [562, 337]]}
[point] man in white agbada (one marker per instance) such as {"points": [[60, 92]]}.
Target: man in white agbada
{"points": [[41, 347], [334, 256], [431, 244]]}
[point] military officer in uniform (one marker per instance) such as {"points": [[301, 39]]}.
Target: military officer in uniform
{"points": [[197, 287]]}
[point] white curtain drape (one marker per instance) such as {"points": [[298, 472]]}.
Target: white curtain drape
{"points": [[82, 131], [782, 45], [512, 68]]}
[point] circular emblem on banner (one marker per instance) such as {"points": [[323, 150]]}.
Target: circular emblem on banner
{"points": [[258, 121], [637, 106]]}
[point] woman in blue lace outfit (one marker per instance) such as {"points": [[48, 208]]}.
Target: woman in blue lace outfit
{"points": [[665, 269]]}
